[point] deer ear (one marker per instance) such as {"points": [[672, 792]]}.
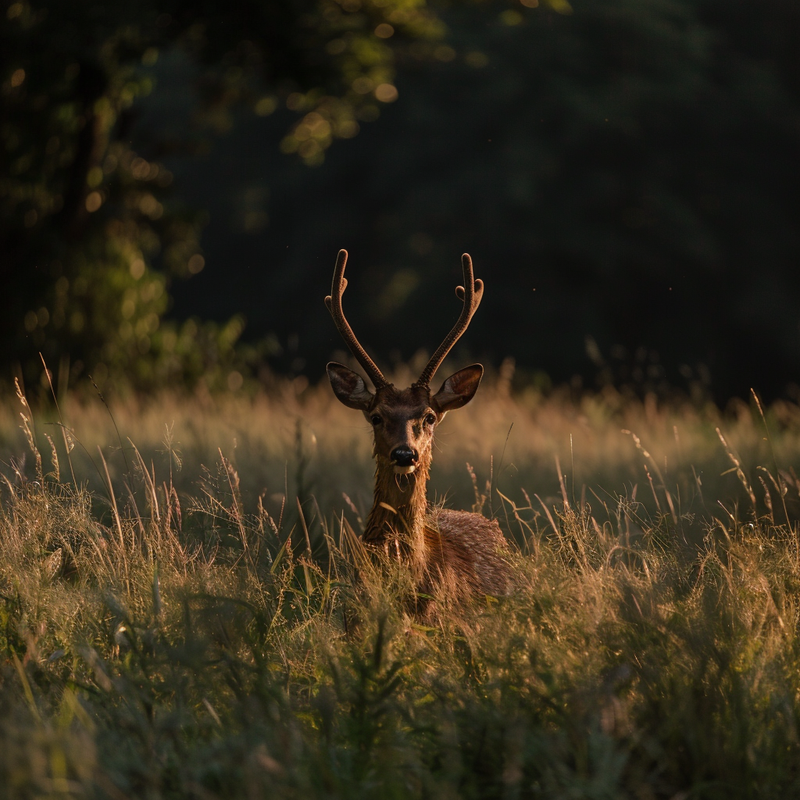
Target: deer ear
{"points": [[349, 387], [458, 389]]}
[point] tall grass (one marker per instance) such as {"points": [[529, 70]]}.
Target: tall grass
{"points": [[187, 612]]}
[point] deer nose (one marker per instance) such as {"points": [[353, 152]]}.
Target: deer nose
{"points": [[404, 456]]}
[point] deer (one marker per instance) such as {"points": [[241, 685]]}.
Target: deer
{"points": [[452, 554]]}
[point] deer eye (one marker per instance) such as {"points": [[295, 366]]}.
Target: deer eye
{"points": [[430, 419], [375, 419]]}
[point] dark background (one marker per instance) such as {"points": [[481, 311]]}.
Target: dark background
{"points": [[625, 177]]}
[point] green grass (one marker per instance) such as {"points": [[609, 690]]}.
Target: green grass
{"points": [[181, 616]]}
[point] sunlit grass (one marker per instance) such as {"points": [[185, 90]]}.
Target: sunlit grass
{"points": [[186, 611]]}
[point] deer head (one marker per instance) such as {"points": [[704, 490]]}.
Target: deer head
{"points": [[403, 420]]}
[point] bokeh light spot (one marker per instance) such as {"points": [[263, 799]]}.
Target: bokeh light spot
{"points": [[386, 93], [150, 56], [511, 17], [149, 206], [196, 263], [560, 6], [362, 85], [347, 128], [265, 106], [128, 306], [76, 322], [140, 169], [295, 101], [93, 202], [308, 148], [137, 268], [94, 177]]}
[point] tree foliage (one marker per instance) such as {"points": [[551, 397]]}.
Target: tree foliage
{"points": [[91, 235]]}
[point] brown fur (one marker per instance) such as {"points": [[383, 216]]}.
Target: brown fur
{"points": [[455, 553], [452, 554]]}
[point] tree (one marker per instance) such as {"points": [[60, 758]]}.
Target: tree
{"points": [[89, 235]]}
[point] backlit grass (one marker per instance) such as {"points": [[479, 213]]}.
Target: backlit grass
{"points": [[186, 610]]}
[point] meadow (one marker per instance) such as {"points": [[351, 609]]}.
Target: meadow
{"points": [[187, 611]]}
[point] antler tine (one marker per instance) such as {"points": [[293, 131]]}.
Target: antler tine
{"points": [[471, 293], [334, 303]]}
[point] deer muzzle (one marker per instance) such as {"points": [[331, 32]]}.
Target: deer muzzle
{"points": [[404, 460]]}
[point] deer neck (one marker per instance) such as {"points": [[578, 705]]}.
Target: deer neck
{"points": [[400, 505]]}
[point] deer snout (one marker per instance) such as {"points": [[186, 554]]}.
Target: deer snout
{"points": [[404, 460]]}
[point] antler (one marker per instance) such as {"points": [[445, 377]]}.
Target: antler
{"points": [[471, 293], [334, 303]]}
